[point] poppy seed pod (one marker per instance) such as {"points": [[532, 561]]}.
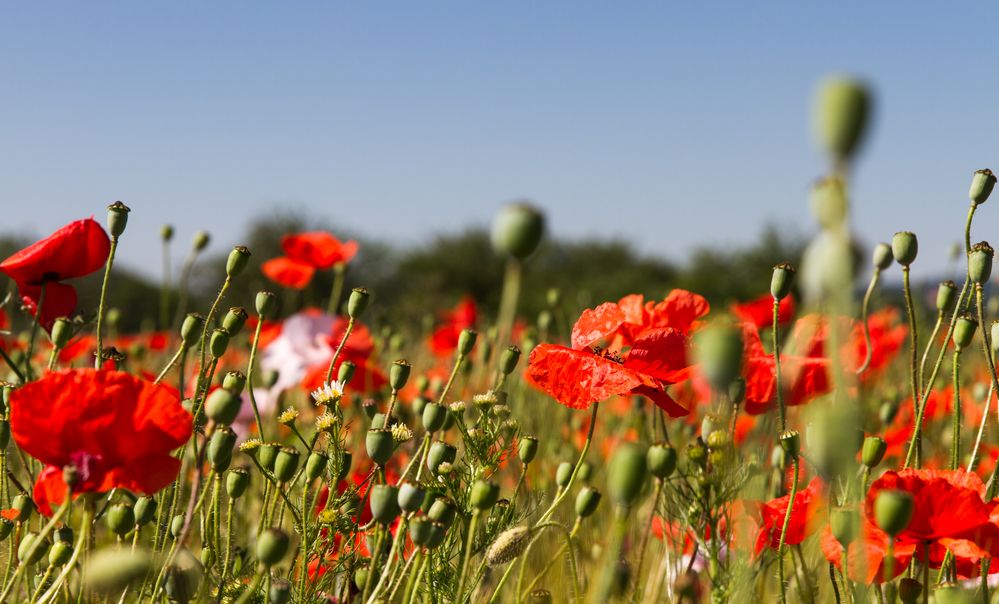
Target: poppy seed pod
{"points": [[484, 494], [399, 374], [626, 474], [719, 351], [191, 328], [218, 343], [697, 451], [62, 331], [904, 246], [166, 232], [6, 526], [982, 182], [845, 525], [563, 473], [315, 465], [222, 406], [176, 525], [587, 501], [357, 303], [420, 529], [893, 511], [384, 503], [661, 459], [120, 519], [873, 451], [234, 320], [236, 483], [234, 381], [346, 372], [781, 280], [27, 548], [909, 590], [117, 218], [527, 449], [434, 416], [272, 546], [510, 544], [346, 460], [379, 445], [442, 510], [440, 452], [60, 554], [509, 359], [411, 496], [466, 341], [24, 506], [64, 535], [145, 510], [964, 331], [280, 592], [237, 260], [980, 262], [882, 256], [267, 455], [220, 449], [737, 390], [842, 109], [200, 241], [265, 304], [286, 464], [946, 296], [790, 441], [518, 229]]}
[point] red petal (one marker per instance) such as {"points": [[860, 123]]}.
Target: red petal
{"points": [[577, 378], [660, 353], [318, 249], [59, 301], [287, 272], [75, 250], [596, 324]]}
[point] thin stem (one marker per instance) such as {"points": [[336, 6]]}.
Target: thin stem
{"points": [[783, 530], [955, 445], [101, 306], [339, 349], [781, 412], [249, 377], [36, 543], [929, 342], [34, 334], [575, 470], [463, 570], [336, 291], [910, 309], [645, 540], [981, 429], [867, 328]]}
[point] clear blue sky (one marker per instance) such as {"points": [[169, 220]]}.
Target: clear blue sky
{"points": [[672, 124]]}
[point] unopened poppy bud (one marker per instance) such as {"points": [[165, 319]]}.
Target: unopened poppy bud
{"points": [[845, 525], [145, 510], [905, 246], [315, 465], [399, 374], [946, 296], [265, 304], [982, 183], [510, 544], [379, 445], [272, 546], [661, 459], [166, 232], [234, 381], [121, 519], [177, 525], [909, 590], [434, 416], [222, 406], [790, 441], [410, 496], [509, 359], [218, 343], [267, 455], [697, 451], [237, 261], [27, 553], [585, 471], [841, 113], [384, 503], [286, 464], [346, 372], [357, 303], [280, 592], [882, 256], [719, 351], [220, 449], [980, 262], [191, 328], [626, 474], [873, 451], [200, 241], [563, 473], [587, 501], [117, 218], [964, 331], [737, 390], [545, 319], [439, 453], [484, 494], [420, 529], [518, 229], [466, 341], [781, 280], [527, 449], [234, 320], [60, 554], [443, 510], [893, 511], [717, 440], [24, 506], [236, 483], [62, 331]]}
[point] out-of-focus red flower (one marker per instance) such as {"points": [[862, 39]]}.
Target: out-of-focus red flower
{"points": [[115, 429], [75, 250], [760, 312], [77, 347], [287, 272], [804, 517], [888, 335], [318, 249], [582, 375], [803, 377], [368, 377], [444, 340], [680, 310], [867, 553]]}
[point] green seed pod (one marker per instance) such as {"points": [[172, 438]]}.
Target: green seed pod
{"points": [[873, 451], [882, 256], [6, 526], [190, 329], [626, 474], [346, 372], [272, 546], [315, 465], [145, 510], [267, 455], [419, 405], [420, 529], [218, 343], [439, 453], [951, 593], [265, 304], [527, 449], [517, 230], [964, 331], [466, 341], [737, 391], [220, 449], [166, 232], [545, 320], [587, 501], [286, 464], [237, 260], [434, 416], [980, 263], [379, 445], [585, 471], [484, 494], [62, 331], [121, 519], [909, 590], [946, 297], [234, 381], [24, 506], [236, 482], [63, 535], [893, 511], [717, 440], [222, 406], [176, 525], [384, 503], [563, 474], [360, 577], [719, 350], [509, 359], [887, 412], [25, 548], [346, 460], [234, 320], [781, 280], [200, 241], [841, 114], [357, 303], [905, 247], [399, 374], [207, 557], [661, 459], [110, 570], [437, 533], [443, 510], [982, 183], [790, 441], [697, 451], [845, 525], [510, 544], [280, 592], [60, 554], [117, 218], [410, 497]]}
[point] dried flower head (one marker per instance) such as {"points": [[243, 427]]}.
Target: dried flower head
{"points": [[288, 416], [250, 444], [329, 393], [457, 407], [484, 400], [325, 422], [401, 433]]}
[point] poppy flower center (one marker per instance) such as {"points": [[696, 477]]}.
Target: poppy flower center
{"points": [[85, 464], [608, 354]]}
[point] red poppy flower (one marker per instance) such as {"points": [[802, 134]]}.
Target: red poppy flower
{"points": [[888, 336], [444, 340], [804, 515], [75, 250], [116, 429], [287, 272], [318, 249], [760, 312], [581, 375], [803, 377], [680, 310], [867, 554]]}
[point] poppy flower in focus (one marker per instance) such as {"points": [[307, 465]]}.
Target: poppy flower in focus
{"points": [[866, 555], [579, 376], [804, 516], [114, 428], [305, 253], [760, 312], [444, 340], [75, 250], [680, 310]]}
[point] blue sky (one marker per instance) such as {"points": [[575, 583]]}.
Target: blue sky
{"points": [[672, 124]]}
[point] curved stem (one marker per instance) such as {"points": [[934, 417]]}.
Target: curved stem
{"points": [[575, 470], [929, 342], [339, 349], [867, 328], [783, 530], [36, 543]]}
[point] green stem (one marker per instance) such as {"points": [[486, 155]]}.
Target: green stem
{"points": [[955, 445], [930, 341], [781, 412], [336, 291], [910, 309], [575, 470], [863, 319], [249, 377], [339, 349], [466, 559], [783, 530], [34, 334], [36, 543], [101, 305]]}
